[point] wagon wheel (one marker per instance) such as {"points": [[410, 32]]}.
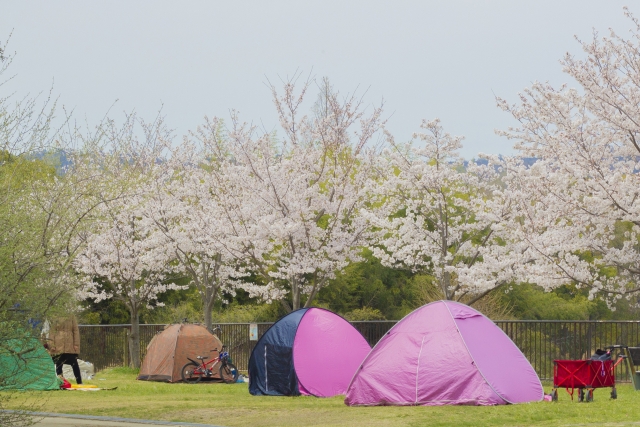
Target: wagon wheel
{"points": [[614, 393], [580, 395], [590, 395], [554, 395]]}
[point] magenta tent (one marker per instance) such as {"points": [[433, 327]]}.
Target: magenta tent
{"points": [[311, 351], [444, 353]]}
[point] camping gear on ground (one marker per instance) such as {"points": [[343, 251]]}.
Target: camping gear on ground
{"points": [[584, 375], [168, 351], [26, 365], [87, 387], [194, 371], [310, 351], [631, 357], [601, 355], [444, 353]]}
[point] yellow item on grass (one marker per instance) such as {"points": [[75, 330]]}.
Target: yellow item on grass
{"points": [[83, 386]]}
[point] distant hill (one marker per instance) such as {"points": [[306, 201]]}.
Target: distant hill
{"points": [[59, 158], [528, 161]]}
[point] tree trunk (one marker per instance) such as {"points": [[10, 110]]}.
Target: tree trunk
{"points": [[134, 339], [316, 287], [207, 303], [446, 285], [209, 287], [444, 245], [295, 294]]}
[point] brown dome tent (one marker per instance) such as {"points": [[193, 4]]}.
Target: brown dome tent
{"points": [[168, 351]]}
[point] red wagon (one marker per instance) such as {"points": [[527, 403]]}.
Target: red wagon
{"points": [[584, 375]]}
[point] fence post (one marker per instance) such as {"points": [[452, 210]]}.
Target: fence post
{"points": [[126, 348]]}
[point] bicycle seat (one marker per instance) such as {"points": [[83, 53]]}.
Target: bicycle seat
{"points": [[202, 358]]}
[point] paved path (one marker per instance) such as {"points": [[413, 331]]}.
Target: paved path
{"points": [[48, 419]]}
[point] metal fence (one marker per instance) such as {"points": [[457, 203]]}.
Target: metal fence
{"points": [[107, 346], [541, 342]]}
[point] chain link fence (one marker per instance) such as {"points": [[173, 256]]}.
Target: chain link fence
{"points": [[541, 342]]}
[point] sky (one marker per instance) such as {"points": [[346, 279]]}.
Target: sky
{"points": [[425, 59]]}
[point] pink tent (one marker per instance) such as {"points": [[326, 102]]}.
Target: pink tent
{"points": [[444, 353], [326, 352]]}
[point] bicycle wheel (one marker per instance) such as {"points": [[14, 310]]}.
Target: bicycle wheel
{"points": [[191, 373], [229, 373]]}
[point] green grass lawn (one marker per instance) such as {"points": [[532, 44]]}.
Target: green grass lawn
{"points": [[232, 405]]}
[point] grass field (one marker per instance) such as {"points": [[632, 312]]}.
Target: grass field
{"points": [[232, 405]]}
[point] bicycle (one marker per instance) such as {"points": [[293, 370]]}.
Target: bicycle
{"points": [[194, 371]]}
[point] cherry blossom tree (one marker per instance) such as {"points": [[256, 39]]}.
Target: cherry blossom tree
{"points": [[189, 231], [121, 263], [119, 256], [292, 205], [440, 216], [579, 204]]}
